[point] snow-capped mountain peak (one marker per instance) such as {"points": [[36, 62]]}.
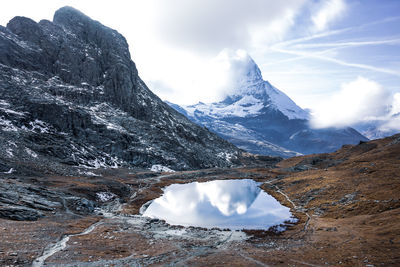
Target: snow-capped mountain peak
{"points": [[248, 93], [248, 72], [243, 72], [261, 119]]}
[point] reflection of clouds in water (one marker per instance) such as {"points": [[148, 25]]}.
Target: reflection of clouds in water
{"points": [[179, 199], [235, 196], [227, 204]]}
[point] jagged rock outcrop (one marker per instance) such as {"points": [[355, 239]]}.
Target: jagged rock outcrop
{"points": [[70, 93]]}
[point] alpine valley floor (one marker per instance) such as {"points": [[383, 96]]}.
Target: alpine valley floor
{"points": [[347, 203]]}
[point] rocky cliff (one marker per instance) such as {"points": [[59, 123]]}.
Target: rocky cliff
{"points": [[70, 93]]}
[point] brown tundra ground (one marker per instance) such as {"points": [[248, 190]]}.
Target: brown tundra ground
{"points": [[347, 203]]}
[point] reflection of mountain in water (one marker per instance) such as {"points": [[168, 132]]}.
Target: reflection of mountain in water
{"points": [[235, 196], [233, 204]]}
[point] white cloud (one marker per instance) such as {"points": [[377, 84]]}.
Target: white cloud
{"points": [[174, 42], [212, 79], [395, 41], [357, 101], [396, 104], [210, 26], [184, 78], [320, 56], [390, 125], [328, 12], [235, 68], [392, 121]]}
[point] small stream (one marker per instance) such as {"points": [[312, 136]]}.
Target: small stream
{"points": [[106, 211], [60, 245], [233, 204]]}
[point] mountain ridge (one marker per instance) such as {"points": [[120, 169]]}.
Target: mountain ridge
{"points": [[277, 124], [71, 94]]}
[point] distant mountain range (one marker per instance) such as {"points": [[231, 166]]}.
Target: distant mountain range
{"points": [[261, 119], [376, 129]]}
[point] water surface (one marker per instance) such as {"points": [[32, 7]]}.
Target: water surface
{"points": [[232, 204]]}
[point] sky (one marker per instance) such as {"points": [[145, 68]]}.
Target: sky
{"points": [[338, 58]]}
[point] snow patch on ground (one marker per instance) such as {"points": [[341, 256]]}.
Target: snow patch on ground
{"points": [[176, 232], [9, 152], [31, 153], [96, 164], [104, 113], [160, 168], [11, 143], [4, 107], [105, 196], [37, 126], [102, 163], [7, 125], [225, 156], [10, 171], [87, 173]]}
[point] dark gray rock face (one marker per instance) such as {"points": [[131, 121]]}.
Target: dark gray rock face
{"points": [[25, 202], [70, 93], [19, 213]]}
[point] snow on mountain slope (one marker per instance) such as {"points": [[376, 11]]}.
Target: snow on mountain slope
{"points": [[260, 118], [249, 95], [284, 104], [248, 105]]}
